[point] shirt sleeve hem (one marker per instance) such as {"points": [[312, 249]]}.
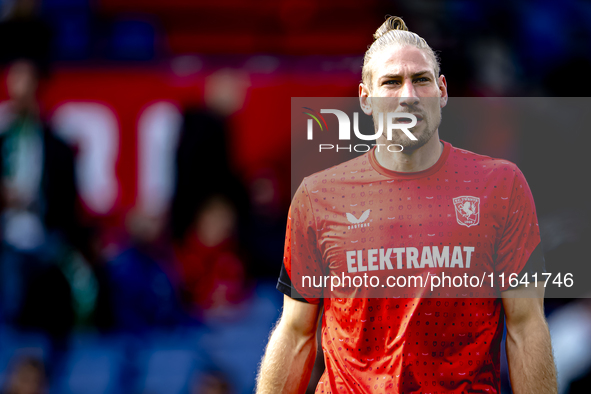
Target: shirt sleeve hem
{"points": [[292, 293]]}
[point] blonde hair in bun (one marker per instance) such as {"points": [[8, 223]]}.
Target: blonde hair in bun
{"points": [[395, 32]]}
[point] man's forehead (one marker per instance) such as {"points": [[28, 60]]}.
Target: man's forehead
{"points": [[402, 60]]}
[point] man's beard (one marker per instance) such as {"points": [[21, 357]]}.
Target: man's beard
{"points": [[427, 127]]}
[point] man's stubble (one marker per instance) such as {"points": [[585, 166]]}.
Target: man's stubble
{"points": [[423, 132]]}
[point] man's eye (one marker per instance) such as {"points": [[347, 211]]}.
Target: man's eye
{"points": [[422, 79], [391, 82]]}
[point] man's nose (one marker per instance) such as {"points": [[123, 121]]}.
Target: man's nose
{"points": [[408, 94]]}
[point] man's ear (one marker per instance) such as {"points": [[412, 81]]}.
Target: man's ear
{"points": [[443, 89], [365, 99]]}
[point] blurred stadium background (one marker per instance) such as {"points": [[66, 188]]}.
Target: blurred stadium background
{"points": [[145, 165]]}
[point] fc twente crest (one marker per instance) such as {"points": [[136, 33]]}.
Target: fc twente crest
{"points": [[467, 210]]}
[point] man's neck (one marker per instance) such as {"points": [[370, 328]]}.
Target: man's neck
{"points": [[412, 161]]}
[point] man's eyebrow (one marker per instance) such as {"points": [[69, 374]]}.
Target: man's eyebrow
{"points": [[417, 74]]}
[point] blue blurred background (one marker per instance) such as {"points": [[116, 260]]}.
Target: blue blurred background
{"points": [[145, 164]]}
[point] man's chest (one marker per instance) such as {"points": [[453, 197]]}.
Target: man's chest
{"points": [[441, 223]]}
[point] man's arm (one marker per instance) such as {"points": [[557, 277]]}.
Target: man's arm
{"points": [[290, 354], [529, 350]]}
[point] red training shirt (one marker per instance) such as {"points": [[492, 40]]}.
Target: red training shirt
{"points": [[468, 213]]}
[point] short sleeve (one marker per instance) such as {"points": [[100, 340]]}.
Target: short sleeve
{"points": [[302, 261], [519, 249]]}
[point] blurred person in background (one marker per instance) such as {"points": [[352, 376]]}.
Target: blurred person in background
{"points": [[207, 216], [51, 273], [26, 376], [46, 286], [212, 265], [142, 282], [50, 265], [38, 209]]}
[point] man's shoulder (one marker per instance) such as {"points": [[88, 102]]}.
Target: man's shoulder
{"points": [[482, 162], [350, 171]]}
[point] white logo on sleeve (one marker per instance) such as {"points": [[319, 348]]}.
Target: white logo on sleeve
{"points": [[358, 222]]}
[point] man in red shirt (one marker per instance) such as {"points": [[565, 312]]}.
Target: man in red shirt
{"points": [[430, 209]]}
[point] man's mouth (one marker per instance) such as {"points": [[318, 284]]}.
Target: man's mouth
{"points": [[405, 120]]}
